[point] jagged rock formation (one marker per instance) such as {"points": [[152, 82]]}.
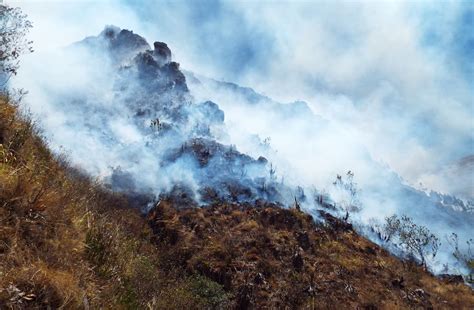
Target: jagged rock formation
{"points": [[239, 177], [120, 43], [178, 130]]}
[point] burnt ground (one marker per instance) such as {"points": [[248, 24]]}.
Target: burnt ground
{"points": [[269, 257]]}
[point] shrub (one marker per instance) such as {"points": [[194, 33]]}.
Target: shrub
{"points": [[416, 240], [14, 26], [347, 194], [211, 293], [464, 256]]}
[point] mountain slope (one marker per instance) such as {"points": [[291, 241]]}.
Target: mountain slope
{"points": [[65, 241], [311, 149], [275, 258]]}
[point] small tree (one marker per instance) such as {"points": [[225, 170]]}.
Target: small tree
{"points": [[391, 227], [272, 173], [266, 142], [14, 27], [464, 256], [348, 194], [416, 240]]}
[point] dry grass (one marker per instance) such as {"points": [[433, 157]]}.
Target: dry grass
{"points": [[66, 242], [270, 258]]}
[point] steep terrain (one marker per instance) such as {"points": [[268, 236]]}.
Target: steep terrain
{"points": [[66, 241], [146, 117], [275, 258]]}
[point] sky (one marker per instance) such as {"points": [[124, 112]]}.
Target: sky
{"points": [[397, 74]]}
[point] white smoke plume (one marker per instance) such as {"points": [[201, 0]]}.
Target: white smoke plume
{"points": [[376, 88]]}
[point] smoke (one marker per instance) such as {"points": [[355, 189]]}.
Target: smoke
{"points": [[377, 88], [398, 74], [380, 69], [308, 149]]}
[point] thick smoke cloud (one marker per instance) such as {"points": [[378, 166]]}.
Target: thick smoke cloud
{"points": [[386, 93], [398, 74]]}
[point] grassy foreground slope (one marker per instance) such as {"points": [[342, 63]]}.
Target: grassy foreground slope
{"points": [[66, 241]]}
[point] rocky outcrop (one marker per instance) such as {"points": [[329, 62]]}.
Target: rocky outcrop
{"points": [[154, 89], [120, 44], [162, 52]]}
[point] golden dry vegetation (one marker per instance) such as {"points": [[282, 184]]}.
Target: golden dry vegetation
{"points": [[67, 242], [275, 258]]}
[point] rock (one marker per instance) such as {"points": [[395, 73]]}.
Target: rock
{"points": [[110, 32], [162, 52], [210, 112], [370, 250], [420, 293], [146, 65], [262, 160], [126, 43], [175, 76], [120, 44]]}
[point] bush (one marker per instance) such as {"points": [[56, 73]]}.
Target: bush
{"points": [[347, 194], [211, 293], [14, 26], [464, 256], [415, 239]]}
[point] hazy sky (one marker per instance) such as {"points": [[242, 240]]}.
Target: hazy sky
{"points": [[399, 74]]}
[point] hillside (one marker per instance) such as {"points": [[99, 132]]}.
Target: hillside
{"points": [[67, 241], [146, 128]]}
